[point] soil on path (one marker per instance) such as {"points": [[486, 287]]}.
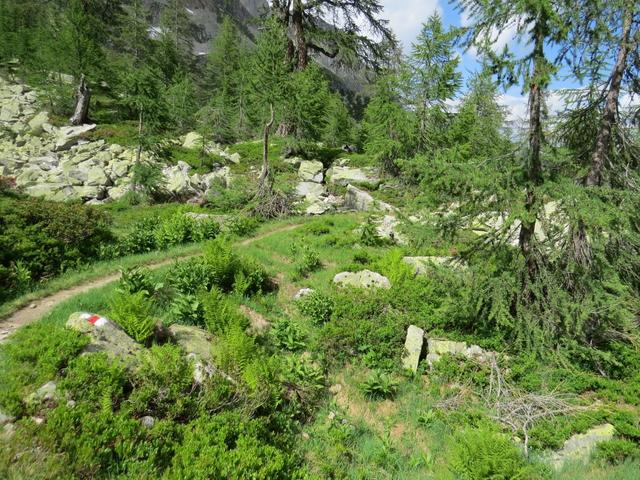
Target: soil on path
{"points": [[39, 308]]}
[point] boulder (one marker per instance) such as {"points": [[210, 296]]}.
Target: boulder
{"points": [[46, 393], [362, 279], [234, 158], [221, 176], [293, 161], [446, 347], [579, 447], [359, 200], [387, 228], [45, 190], [319, 208], [117, 192], [197, 344], [413, 348], [178, 180], [36, 124], [30, 176], [10, 111], [105, 336], [303, 292], [343, 175], [66, 137], [192, 141], [311, 191], [96, 176], [4, 419], [311, 171]]}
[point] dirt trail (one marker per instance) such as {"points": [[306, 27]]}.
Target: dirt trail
{"points": [[39, 308]]}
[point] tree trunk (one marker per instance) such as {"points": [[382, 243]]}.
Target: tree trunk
{"points": [[265, 185], [298, 34], [534, 165], [603, 140], [83, 98], [581, 250]]}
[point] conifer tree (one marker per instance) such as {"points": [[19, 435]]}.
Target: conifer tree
{"points": [[435, 79], [335, 29]]}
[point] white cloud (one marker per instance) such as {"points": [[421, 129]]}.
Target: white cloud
{"points": [[407, 16]]}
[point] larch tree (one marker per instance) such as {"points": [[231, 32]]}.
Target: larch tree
{"points": [[435, 78], [344, 30]]}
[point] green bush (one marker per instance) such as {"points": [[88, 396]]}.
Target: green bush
{"points": [[230, 447], [187, 309], [134, 313], [484, 454], [137, 279], [33, 356], [242, 225], [308, 259], [40, 239], [287, 335], [141, 238], [189, 276], [617, 451], [96, 380], [163, 385], [317, 306], [176, 230]]}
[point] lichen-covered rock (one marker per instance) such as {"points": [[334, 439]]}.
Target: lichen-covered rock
{"points": [[36, 124], [356, 199], [105, 336], [311, 171], [319, 207], [197, 344], [444, 347], [343, 175], [311, 191], [303, 292], [413, 348], [362, 279], [46, 393], [192, 141], [579, 447], [66, 137], [4, 419]]}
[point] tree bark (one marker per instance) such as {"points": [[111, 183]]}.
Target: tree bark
{"points": [[83, 98], [265, 184], [534, 166], [609, 116], [297, 19]]}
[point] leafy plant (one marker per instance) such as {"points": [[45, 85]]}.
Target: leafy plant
{"points": [[137, 279], [317, 306], [379, 385], [287, 335], [369, 234], [134, 313], [187, 309], [308, 259], [241, 225], [220, 312]]}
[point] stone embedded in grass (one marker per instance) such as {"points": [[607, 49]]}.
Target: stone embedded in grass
{"points": [[579, 447], [196, 343], [362, 279], [437, 348], [303, 292], [46, 393], [5, 419], [413, 348], [343, 175], [105, 336]]}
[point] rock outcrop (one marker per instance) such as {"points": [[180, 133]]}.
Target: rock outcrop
{"points": [[413, 348], [359, 200], [363, 279], [345, 175], [579, 447]]}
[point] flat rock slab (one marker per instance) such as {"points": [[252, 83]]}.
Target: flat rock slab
{"points": [[105, 336], [580, 446], [343, 175], [362, 279], [193, 340], [413, 348]]}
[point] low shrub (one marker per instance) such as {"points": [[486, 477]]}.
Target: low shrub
{"points": [[485, 454], [137, 279], [617, 451], [316, 306], [33, 356], [163, 385], [40, 239], [187, 309], [134, 313], [307, 260], [220, 312], [242, 225]]}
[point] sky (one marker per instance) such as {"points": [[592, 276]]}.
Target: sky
{"points": [[406, 18]]}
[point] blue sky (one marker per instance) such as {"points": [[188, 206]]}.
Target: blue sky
{"points": [[406, 18]]}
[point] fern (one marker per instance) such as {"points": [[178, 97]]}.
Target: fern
{"points": [[134, 313]]}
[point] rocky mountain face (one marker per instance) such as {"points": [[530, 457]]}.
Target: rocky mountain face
{"points": [[206, 17]]}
